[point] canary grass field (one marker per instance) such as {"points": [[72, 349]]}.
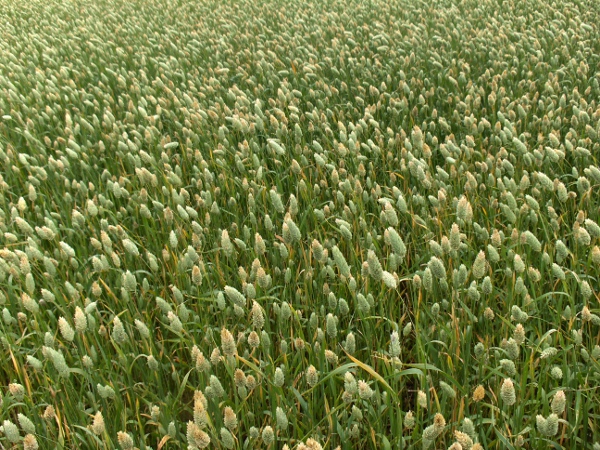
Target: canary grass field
{"points": [[299, 224]]}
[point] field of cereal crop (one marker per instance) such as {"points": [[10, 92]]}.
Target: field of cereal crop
{"points": [[299, 224]]}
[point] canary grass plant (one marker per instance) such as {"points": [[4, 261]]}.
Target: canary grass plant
{"points": [[300, 224]]}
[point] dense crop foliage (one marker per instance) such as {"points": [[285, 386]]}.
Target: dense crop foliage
{"points": [[305, 225]]}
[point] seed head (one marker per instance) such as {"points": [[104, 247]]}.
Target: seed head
{"points": [[267, 435], [463, 439], [340, 261], [26, 425], [364, 390], [227, 439], [375, 269], [558, 403], [331, 326], [30, 442], [98, 424], [251, 382], [448, 390], [11, 431], [80, 320], [258, 319], [49, 413], [17, 391], [478, 393], [125, 440], [479, 265], [312, 376], [230, 419], [228, 343], [155, 413], [65, 329], [507, 392], [395, 344], [239, 378], [282, 420], [196, 436], [350, 344], [422, 399], [118, 334]]}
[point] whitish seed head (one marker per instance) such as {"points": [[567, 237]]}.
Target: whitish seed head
{"points": [[251, 382], [80, 320], [558, 403], [468, 427], [340, 261], [350, 343], [17, 391], [427, 279], [375, 269], [65, 329], [586, 314], [26, 425], [596, 255], [519, 334], [317, 250], [196, 437], [268, 436], [556, 373], [395, 344], [228, 343], [507, 392], [447, 389], [142, 328], [239, 378], [29, 304], [152, 363], [263, 279], [174, 322], [49, 413], [98, 424], [439, 422], [129, 281], [118, 333], [512, 349], [216, 387], [389, 279], [227, 438], [155, 413], [422, 399], [518, 264], [350, 384], [258, 319], [463, 439], [479, 266], [549, 426], [253, 339], [200, 413], [125, 440], [357, 414], [586, 290], [30, 442], [409, 420], [282, 420], [331, 326], [364, 390], [96, 289], [229, 418], [312, 376], [11, 431]]}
